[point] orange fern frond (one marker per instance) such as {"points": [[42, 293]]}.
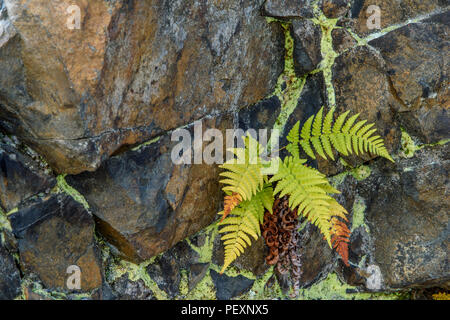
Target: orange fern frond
{"points": [[230, 202], [340, 237]]}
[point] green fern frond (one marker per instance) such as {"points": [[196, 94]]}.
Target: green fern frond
{"points": [[308, 191], [243, 223], [346, 136], [243, 173]]}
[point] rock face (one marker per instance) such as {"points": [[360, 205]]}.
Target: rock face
{"points": [[130, 72], [288, 8], [391, 12], [88, 112], [9, 276], [145, 203], [362, 86], [54, 235], [20, 177], [406, 221], [307, 54], [420, 83]]}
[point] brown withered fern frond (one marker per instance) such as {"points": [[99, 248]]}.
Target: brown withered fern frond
{"points": [[340, 237], [230, 202]]}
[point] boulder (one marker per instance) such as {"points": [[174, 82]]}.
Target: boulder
{"points": [[402, 238], [392, 12], [307, 46], [10, 283], [144, 203], [362, 86], [134, 70], [21, 177], [417, 61], [53, 235], [230, 287]]}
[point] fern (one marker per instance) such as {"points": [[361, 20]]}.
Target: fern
{"points": [[243, 173], [308, 192], [347, 137], [250, 191], [243, 223]]}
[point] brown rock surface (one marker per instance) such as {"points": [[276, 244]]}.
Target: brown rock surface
{"points": [[131, 72], [53, 235], [391, 12], [145, 204], [418, 62]]}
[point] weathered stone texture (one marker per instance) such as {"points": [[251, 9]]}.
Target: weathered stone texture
{"points": [[131, 72], [53, 235]]}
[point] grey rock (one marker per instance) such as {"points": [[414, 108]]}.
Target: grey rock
{"points": [[230, 287], [307, 46]]}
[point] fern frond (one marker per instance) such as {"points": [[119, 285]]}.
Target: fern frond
{"points": [[243, 173], [243, 223], [346, 136], [309, 192]]}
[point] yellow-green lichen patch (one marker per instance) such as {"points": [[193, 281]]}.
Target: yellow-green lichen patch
{"points": [[138, 272], [204, 290], [289, 87], [332, 288], [262, 290], [4, 222], [359, 173], [147, 143], [359, 209], [205, 251], [328, 54], [408, 146], [69, 190]]}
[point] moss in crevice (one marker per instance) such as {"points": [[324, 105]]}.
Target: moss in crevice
{"points": [[4, 222]]}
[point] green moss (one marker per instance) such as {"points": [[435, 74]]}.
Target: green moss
{"points": [[69, 190]]}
